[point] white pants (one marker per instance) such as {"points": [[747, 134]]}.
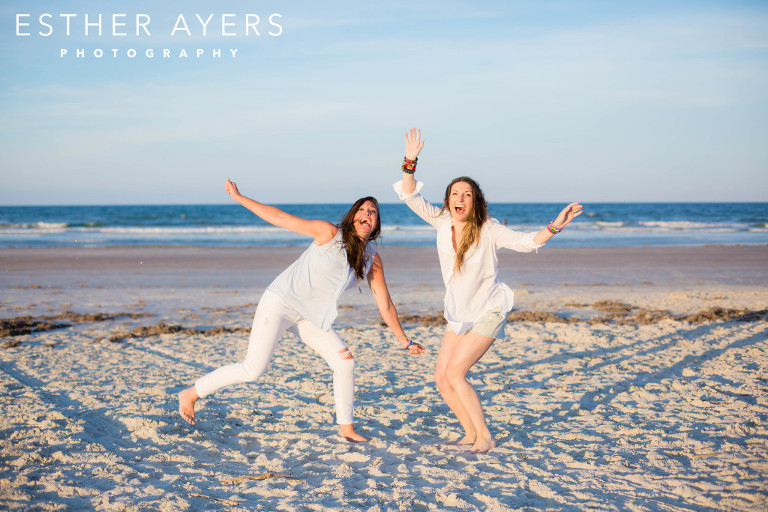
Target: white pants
{"points": [[271, 320]]}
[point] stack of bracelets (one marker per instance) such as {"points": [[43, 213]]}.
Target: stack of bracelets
{"points": [[409, 166], [552, 229]]}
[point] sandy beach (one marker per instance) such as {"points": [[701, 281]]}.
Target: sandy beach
{"points": [[631, 378]]}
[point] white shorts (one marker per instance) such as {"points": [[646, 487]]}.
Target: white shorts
{"points": [[491, 324]]}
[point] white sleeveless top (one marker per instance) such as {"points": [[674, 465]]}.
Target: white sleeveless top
{"points": [[312, 285]]}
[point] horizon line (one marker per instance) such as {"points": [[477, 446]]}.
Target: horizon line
{"points": [[380, 202]]}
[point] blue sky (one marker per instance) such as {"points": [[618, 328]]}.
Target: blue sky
{"points": [[538, 100]]}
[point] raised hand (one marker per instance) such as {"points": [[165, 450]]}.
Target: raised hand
{"points": [[569, 213], [231, 188], [413, 143]]}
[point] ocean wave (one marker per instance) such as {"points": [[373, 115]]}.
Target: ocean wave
{"points": [[187, 230], [34, 225], [103, 229], [404, 229], [683, 224], [398, 230], [399, 227]]}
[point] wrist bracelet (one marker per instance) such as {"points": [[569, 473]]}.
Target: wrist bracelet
{"points": [[409, 166], [552, 229]]}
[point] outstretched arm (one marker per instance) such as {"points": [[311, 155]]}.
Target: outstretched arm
{"points": [[569, 213], [387, 307], [413, 145], [320, 230]]}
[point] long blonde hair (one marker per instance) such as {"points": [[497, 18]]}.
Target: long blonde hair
{"points": [[479, 214]]}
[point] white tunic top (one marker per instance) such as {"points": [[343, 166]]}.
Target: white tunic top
{"points": [[312, 285], [475, 289]]}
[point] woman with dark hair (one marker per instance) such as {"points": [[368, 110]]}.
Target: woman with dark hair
{"points": [[476, 302], [304, 298]]}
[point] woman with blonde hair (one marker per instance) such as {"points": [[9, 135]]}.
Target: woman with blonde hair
{"points": [[476, 302]]}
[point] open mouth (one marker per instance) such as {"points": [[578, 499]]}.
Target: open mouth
{"points": [[365, 222], [459, 209]]}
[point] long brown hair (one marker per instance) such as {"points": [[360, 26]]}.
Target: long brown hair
{"points": [[354, 244], [479, 214]]}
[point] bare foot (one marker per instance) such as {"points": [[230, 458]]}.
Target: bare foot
{"points": [[348, 433], [483, 445], [187, 399], [467, 439]]}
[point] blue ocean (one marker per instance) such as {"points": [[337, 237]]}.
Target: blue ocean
{"points": [[602, 224]]}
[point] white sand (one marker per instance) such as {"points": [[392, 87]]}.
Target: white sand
{"points": [[668, 416]]}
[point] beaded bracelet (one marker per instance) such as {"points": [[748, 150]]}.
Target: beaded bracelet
{"points": [[409, 166], [552, 229]]}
